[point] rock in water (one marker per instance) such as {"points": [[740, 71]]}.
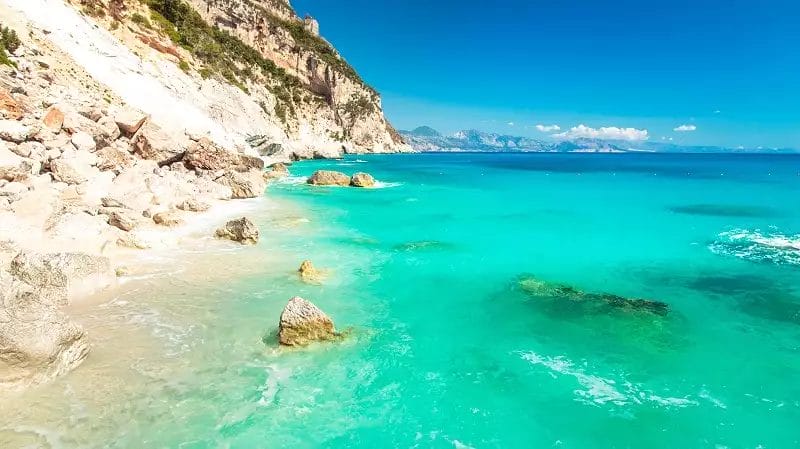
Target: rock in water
{"points": [[37, 341], [591, 302], [309, 274], [276, 171], [60, 277], [362, 180], [302, 323], [328, 178], [241, 230]]}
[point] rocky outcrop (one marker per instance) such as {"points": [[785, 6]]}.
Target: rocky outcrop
{"points": [[241, 230], [328, 178], [206, 155], [276, 171], [248, 184], [61, 277], [590, 302], [362, 180], [303, 323], [37, 341], [152, 143]]}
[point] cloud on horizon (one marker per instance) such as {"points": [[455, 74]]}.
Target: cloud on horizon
{"points": [[548, 128], [604, 133], [685, 128]]}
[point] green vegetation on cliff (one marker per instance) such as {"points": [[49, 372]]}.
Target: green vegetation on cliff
{"points": [[221, 52], [9, 42]]}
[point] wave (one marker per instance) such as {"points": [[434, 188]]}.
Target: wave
{"points": [[386, 185], [292, 180], [597, 391], [770, 247]]}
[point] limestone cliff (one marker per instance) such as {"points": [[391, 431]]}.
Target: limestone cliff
{"points": [[244, 72]]}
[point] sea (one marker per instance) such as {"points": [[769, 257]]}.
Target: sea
{"points": [[487, 301]]}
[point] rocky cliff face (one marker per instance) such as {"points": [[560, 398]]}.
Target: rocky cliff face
{"points": [[350, 108], [245, 72]]}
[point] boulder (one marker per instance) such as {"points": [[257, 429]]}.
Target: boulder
{"points": [[206, 155], [11, 165], [362, 180], [192, 205], [276, 171], [37, 341], [70, 170], [328, 178], [249, 184], [10, 107], [14, 131], [302, 323], [124, 219], [83, 141], [309, 274], [169, 219], [109, 131], [241, 230], [34, 150], [114, 159], [62, 277], [129, 121], [152, 143], [53, 119]]}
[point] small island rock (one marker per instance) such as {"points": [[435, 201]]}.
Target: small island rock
{"points": [[309, 274], [328, 178], [303, 323], [362, 180], [241, 230]]}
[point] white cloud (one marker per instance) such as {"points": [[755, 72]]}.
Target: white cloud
{"points": [[510, 123], [717, 111], [685, 128], [607, 133], [548, 128]]}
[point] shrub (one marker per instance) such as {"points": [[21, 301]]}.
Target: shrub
{"points": [[183, 65], [9, 39], [141, 20]]}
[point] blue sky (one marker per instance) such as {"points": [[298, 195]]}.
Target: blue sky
{"points": [[729, 69]]}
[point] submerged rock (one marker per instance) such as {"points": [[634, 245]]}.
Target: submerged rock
{"points": [[63, 276], [309, 274], [328, 178], [362, 180], [303, 323], [545, 290], [37, 341], [241, 230]]}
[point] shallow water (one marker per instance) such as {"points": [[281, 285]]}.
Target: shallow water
{"points": [[446, 349]]}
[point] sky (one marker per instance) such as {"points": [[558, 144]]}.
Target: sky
{"points": [[702, 72]]}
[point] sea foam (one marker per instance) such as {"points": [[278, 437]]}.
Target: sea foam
{"points": [[597, 390], [759, 246]]}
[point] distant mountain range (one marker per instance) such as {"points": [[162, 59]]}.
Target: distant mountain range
{"points": [[426, 138]]}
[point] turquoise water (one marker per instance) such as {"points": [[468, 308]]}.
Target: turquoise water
{"points": [[447, 349]]}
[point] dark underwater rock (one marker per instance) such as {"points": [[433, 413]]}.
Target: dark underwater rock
{"points": [[723, 210], [598, 301]]}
